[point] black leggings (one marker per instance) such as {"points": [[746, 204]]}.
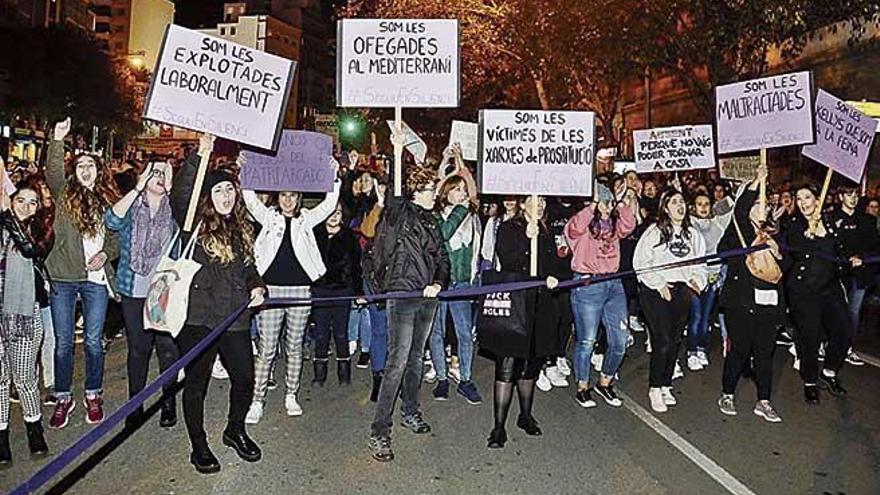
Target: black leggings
{"points": [[752, 333], [817, 317], [511, 369], [140, 348], [238, 359], [666, 322], [331, 319]]}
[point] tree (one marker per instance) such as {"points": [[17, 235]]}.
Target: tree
{"points": [[57, 72]]}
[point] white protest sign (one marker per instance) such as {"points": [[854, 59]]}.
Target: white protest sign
{"points": [[739, 168], [844, 137], [770, 112], [412, 142], [466, 134], [672, 149], [621, 168], [408, 63], [212, 85], [537, 152]]}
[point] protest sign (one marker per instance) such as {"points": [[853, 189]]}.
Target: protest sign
{"points": [[739, 168], [412, 141], [213, 85], [537, 152], [466, 134], [302, 163], [621, 167], [328, 124], [770, 112], [403, 63], [674, 149], [844, 137]]}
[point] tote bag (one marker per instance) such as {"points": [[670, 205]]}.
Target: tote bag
{"points": [[506, 315], [168, 295]]}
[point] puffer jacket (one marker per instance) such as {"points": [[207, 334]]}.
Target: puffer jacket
{"points": [[408, 252]]}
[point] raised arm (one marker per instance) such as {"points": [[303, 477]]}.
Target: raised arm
{"points": [[55, 159]]}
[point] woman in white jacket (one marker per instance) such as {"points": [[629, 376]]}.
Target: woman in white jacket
{"points": [[665, 295], [288, 260]]}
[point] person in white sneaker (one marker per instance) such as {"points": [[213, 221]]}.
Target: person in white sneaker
{"points": [[665, 295], [753, 307], [289, 261], [594, 235]]}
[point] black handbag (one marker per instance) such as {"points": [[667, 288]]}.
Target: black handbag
{"points": [[507, 314]]}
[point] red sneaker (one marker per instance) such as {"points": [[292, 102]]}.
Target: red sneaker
{"points": [[61, 415], [94, 409]]}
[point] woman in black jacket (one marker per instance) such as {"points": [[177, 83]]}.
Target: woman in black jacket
{"points": [[815, 295], [753, 307], [24, 244], [518, 357], [228, 277], [339, 250]]}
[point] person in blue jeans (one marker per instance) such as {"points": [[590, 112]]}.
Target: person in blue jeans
{"points": [[461, 231], [594, 236], [79, 266]]}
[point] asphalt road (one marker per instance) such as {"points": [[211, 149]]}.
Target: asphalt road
{"points": [[693, 449]]}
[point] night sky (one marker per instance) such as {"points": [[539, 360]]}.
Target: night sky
{"points": [[207, 13]]}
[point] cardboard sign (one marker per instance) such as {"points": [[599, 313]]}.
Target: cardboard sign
{"points": [[212, 85], [844, 137], [302, 163], [409, 63], [770, 112], [674, 149], [328, 124], [537, 152], [466, 134], [739, 168], [412, 141]]}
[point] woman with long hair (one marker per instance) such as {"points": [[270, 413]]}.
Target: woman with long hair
{"points": [[79, 266], [665, 295], [815, 294], [24, 244], [594, 235], [753, 307], [519, 357], [227, 278], [145, 225], [288, 260], [461, 230]]}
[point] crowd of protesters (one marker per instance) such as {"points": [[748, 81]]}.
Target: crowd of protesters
{"points": [[81, 239]]}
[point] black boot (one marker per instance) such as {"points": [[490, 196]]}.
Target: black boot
{"points": [[343, 371], [203, 459], [36, 442], [5, 452], [497, 438], [320, 372], [377, 384], [238, 439], [168, 414], [811, 394], [134, 420]]}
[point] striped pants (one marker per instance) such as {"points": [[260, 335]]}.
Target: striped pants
{"points": [[18, 366], [273, 324]]}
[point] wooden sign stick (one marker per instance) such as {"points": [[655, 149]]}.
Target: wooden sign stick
{"points": [[762, 186], [398, 153], [817, 215], [533, 260], [197, 189]]}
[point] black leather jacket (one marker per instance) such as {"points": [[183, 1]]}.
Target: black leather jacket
{"points": [[408, 252]]}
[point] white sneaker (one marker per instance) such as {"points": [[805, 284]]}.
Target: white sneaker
{"points": [[635, 325], [655, 395], [648, 346], [556, 378], [704, 358], [564, 368], [454, 373], [352, 347], [796, 364], [543, 382], [678, 373], [668, 398], [292, 406], [219, 372], [821, 352], [630, 340], [255, 413], [792, 350], [597, 361], [694, 363], [430, 374]]}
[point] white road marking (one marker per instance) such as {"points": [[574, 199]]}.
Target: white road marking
{"points": [[702, 461], [870, 360]]}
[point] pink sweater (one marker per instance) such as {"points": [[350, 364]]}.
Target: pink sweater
{"points": [[597, 256]]}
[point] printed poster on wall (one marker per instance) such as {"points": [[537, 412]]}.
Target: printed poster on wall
{"points": [[213, 85], [409, 63], [770, 112], [537, 152]]}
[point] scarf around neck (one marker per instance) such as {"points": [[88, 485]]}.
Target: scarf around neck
{"points": [[149, 234]]}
